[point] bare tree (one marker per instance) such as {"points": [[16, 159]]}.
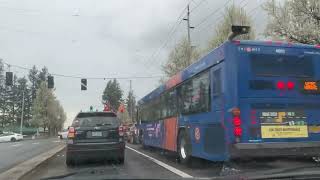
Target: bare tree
{"points": [[233, 16], [179, 58], [294, 20]]}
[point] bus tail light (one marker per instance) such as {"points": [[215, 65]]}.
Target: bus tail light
{"points": [[281, 85], [236, 120], [317, 46], [237, 131], [290, 85], [71, 132]]}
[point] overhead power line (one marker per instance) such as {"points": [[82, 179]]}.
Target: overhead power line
{"points": [[211, 14], [153, 57], [194, 8], [85, 77], [218, 20]]}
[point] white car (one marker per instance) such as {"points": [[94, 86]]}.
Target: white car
{"points": [[63, 134], [10, 136]]}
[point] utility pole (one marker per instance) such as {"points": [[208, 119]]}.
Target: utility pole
{"points": [[188, 24], [188, 30], [21, 122]]}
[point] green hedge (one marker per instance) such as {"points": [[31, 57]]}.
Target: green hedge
{"points": [[25, 130]]}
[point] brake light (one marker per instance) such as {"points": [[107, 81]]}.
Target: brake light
{"points": [[281, 85], [237, 130], [71, 132], [290, 85], [317, 46], [121, 133], [236, 121]]}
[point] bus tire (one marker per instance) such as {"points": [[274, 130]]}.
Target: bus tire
{"points": [[184, 148]]}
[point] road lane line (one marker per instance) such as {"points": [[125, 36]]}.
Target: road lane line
{"points": [[160, 163], [56, 141], [16, 145], [35, 143]]}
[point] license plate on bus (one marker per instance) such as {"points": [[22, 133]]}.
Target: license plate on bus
{"points": [[96, 133]]}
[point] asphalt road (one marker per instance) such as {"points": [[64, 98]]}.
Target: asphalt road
{"points": [[12, 153], [151, 163]]}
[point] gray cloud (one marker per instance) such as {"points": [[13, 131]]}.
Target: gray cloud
{"points": [[95, 38]]}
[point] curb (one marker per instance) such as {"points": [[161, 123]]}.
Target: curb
{"points": [[25, 167]]}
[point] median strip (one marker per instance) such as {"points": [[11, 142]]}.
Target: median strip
{"points": [[25, 167], [164, 165]]}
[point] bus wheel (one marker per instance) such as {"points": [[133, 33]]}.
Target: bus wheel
{"points": [[184, 148]]}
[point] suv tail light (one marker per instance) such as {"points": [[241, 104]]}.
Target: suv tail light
{"points": [[121, 133], [71, 132]]}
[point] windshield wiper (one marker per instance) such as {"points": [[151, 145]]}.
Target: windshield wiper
{"points": [[60, 176]]}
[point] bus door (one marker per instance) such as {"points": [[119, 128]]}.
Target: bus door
{"points": [[279, 97]]}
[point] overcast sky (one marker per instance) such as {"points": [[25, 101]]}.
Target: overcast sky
{"points": [[103, 38]]}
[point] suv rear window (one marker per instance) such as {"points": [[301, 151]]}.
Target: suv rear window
{"points": [[95, 119], [280, 65]]}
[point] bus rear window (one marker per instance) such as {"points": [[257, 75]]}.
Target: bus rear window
{"points": [[279, 65]]}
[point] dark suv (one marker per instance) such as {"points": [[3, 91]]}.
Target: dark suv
{"points": [[95, 135]]}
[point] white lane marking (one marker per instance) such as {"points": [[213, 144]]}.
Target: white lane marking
{"points": [[56, 141], [35, 143], [168, 167], [16, 145]]}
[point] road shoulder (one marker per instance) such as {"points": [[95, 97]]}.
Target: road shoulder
{"points": [[23, 168]]}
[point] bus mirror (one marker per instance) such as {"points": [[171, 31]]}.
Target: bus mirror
{"points": [[238, 30]]}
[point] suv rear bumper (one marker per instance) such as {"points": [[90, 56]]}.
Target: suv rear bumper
{"points": [[88, 150], [274, 149]]}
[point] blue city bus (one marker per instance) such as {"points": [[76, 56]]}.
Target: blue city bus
{"points": [[243, 99]]}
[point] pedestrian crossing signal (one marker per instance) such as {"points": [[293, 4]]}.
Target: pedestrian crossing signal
{"points": [[83, 84], [9, 78], [50, 82]]}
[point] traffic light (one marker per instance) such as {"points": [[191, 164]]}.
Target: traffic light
{"points": [[9, 78], [50, 82], [83, 84]]}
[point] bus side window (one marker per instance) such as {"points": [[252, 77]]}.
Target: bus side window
{"points": [[194, 95], [216, 79]]}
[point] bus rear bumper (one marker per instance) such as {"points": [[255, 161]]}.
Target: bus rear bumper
{"points": [[275, 149]]}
